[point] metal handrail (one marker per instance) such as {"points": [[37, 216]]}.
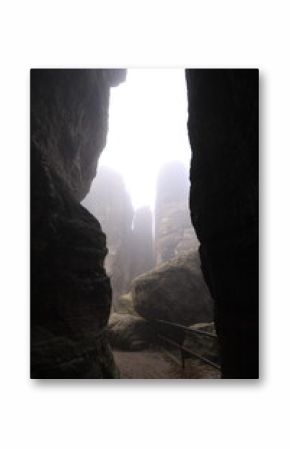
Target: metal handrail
{"points": [[187, 329], [184, 349]]}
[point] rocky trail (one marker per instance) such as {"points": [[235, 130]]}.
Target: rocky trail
{"points": [[156, 364]]}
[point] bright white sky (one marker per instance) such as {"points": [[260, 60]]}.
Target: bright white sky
{"points": [[147, 127]]}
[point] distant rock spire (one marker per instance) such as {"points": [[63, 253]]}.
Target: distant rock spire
{"points": [[142, 242], [109, 201], [174, 233]]}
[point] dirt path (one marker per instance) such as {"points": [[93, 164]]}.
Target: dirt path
{"points": [[157, 365]]}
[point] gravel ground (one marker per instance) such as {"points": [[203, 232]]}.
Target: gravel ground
{"points": [[158, 365]]}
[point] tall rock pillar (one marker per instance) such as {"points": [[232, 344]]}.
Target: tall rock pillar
{"points": [[223, 132], [70, 291]]}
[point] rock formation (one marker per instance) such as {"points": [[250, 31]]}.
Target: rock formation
{"points": [[70, 292], [174, 233], [223, 132], [142, 258], [174, 291], [130, 332], [109, 201], [129, 233]]}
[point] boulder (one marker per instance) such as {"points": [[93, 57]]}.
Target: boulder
{"points": [[130, 332], [175, 291]]}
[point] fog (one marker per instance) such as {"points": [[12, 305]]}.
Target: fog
{"points": [[147, 128], [140, 193]]}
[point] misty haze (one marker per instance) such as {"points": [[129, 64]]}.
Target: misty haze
{"points": [[144, 223]]}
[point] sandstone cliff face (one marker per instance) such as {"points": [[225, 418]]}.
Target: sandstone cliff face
{"points": [[109, 201], [174, 234], [69, 121], [70, 291], [129, 233], [223, 131]]}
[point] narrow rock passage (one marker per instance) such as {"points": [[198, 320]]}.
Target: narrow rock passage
{"points": [[157, 365]]}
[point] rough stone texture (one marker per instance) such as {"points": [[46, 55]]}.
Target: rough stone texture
{"points": [[69, 121], [109, 201], [129, 332], [142, 258], [174, 234], [70, 292], [174, 291], [223, 132]]}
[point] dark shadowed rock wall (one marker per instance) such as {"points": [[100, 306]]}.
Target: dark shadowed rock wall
{"points": [[109, 201], [174, 234], [223, 131], [70, 292]]}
